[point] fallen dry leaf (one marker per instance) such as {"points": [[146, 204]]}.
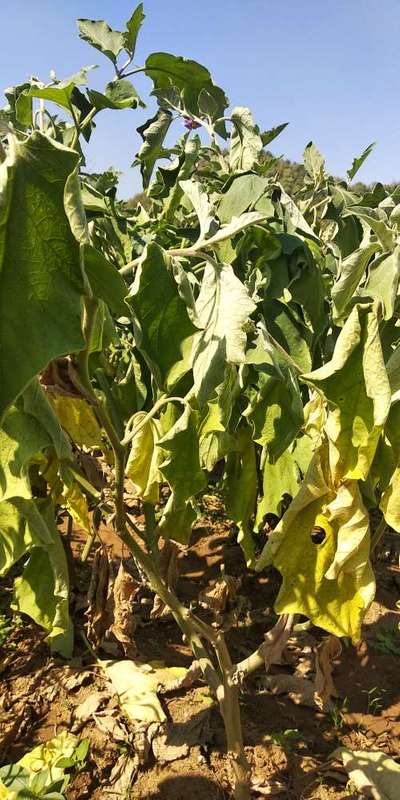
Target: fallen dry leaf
{"points": [[373, 773], [121, 778], [300, 690], [87, 709], [176, 741]]}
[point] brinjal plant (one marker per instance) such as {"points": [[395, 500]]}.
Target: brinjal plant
{"points": [[221, 330]]}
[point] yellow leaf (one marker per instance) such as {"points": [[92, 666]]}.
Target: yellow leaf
{"points": [[76, 503], [78, 419], [390, 501], [321, 548], [144, 456]]}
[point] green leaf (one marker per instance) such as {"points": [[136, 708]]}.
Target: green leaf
{"points": [[279, 479], [272, 133], [118, 94], [42, 590], [358, 161], [161, 320], [223, 307], [49, 284], [132, 29], [351, 272], [181, 469], [186, 76], [383, 281], [153, 133], [330, 582], [356, 386], [275, 413], [246, 143], [21, 438], [198, 197], [106, 282], [181, 465], [236, 225], [243, 192], [21, 529], [289, 332], [63, 93], [314, 163], [377, 221], [98, 34], [241, 484]]}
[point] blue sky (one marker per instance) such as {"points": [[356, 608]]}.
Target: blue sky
{"points": [[330, 68]]}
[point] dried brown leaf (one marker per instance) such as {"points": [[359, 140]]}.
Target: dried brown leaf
{"points": [[327, 651], [124, 621], [122, 777], [219, 595], [276, 640], [97, 613]]}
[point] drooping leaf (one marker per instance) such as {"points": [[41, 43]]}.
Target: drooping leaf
{"points": [[43, 589], [390, 501], [223, 306], [21, 529], [359, 160], [328, 579], [33, 181], [279, 480], [160, 315], [21, 438], [64, 93], [357, 389], [241, 489], [153, 133], [106, 282], [77, 417], [181, 464], [377, 221], [201, 204], [246, 143], [383, 281], [351, 273], [289, 332], [143, 459], [99, 34]]}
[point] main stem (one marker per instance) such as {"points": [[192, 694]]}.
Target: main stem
{"points": [[221, 681]]}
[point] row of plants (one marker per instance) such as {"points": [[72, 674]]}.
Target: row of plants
{"points": [[224, 331]]}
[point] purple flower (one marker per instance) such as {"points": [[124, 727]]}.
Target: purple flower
{"points": [[191, 124]]}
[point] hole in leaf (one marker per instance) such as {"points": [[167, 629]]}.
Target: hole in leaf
{"points": [[318, 535]]}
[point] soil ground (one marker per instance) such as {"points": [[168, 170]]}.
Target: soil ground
{"points": [[288, 745]]}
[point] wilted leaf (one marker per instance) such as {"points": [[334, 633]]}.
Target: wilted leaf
{"points": [[153, 133], [327, 651], [328, 579], [78, 419], [143, 460], [197, 195], [241, 488], [160, 315], [358, 161], [42, 592], [356, 385], [223, 306], [124, 622]]}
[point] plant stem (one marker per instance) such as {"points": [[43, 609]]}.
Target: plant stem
{"points": [[378, 534]]}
